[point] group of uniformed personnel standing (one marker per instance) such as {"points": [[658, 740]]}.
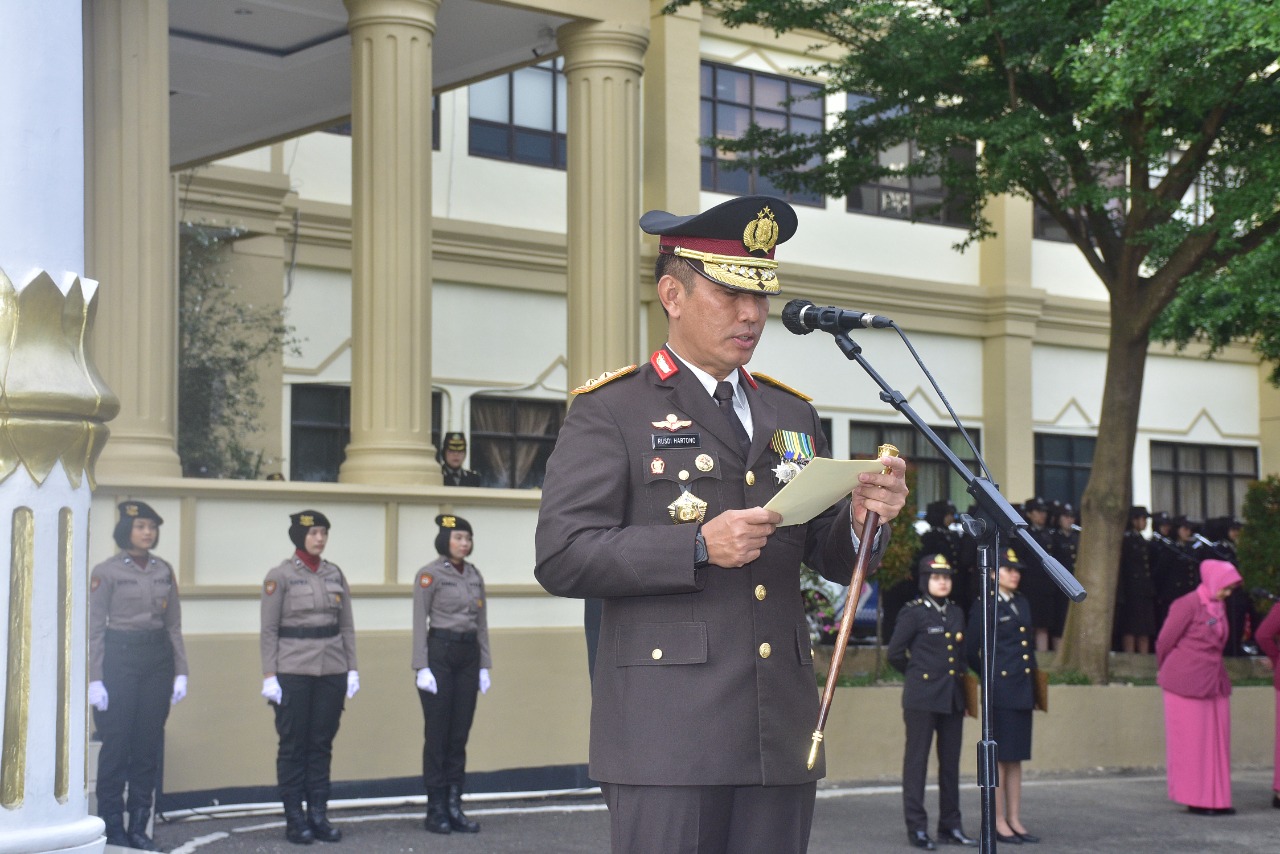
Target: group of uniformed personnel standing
{"points": [[138, 668]]}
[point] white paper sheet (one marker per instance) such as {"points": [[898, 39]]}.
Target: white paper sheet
{"points": [[819, 484]]}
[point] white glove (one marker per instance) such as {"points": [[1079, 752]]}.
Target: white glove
{"points": [[484, 680], [271, 690], [353, 683], [98, 696], [426, 680], [179, 690]]}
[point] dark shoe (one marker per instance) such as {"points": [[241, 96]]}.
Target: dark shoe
{"points": [[137, 834], [1008, 840], [920, 839], [318, 821], [437, 820], [1275, 801], [955, 836], [296, 829], [1201, 811], [1027, 837], [457, 818], [115, 830], [1225, 811]]}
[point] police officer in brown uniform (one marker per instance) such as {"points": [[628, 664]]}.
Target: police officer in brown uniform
{"points": [[704, 697], [451, 657], [137, 669], [308, 646], [928, 647], [453, 453]]}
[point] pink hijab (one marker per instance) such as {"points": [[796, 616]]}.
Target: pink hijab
{"points": [[1215, 575]]}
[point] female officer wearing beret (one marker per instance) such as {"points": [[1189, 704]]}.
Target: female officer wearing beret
{"points": [[451, 657], [137, 669], [309, 665], [928, 647], [1013, 694]]}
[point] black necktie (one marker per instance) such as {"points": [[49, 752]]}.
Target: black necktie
{"points": [[724, 399]]}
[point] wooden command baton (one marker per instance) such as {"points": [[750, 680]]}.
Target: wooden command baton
{"points": [[867, 536]]}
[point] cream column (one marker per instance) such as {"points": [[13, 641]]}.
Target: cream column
{"points": [[1013, 309], [391, 242], [602, 67], [1268, 422], [672, 162], [131, 234]]}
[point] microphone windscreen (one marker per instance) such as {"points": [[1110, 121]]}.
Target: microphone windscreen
{"points": [[792, 319]]}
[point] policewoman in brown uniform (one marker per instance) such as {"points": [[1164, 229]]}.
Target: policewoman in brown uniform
{"points": [[451, 657], [137, 669], [308, 646], [704, 698]]}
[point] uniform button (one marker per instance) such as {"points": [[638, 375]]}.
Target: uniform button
{"points": [[761, 592], [1028, 670], [656, 654], [1024, 643], [926, 676], [951, 673], [1022, 628], [1026, 658], [1004, 672], [751, 478], [951, 661], [684, 475], [946, 635], [950, 647], [765, 650]]}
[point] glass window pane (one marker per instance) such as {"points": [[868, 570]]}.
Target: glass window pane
{"points": [[896, 157], [1162, 493], [708, 174], [733, 86], [771, 120], [802, 105], [488, 100], [1190, 500], [532, 147], [1217, 459], [809, 127], [1217, 496], [1188, 457], [895, 203], [531, 98], [735, 181], [732, 122], [705, 76], [1161, 456], [487, 140], [771, 92], [706, 124], [1244, 461], [562, 104]]}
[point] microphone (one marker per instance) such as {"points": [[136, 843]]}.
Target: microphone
{"points": [[801, 317]]}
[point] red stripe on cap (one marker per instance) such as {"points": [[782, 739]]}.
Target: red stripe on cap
{"points": [[707, 244]]}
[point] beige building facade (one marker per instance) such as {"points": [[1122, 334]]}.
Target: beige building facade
{"points": [[431, 282]]}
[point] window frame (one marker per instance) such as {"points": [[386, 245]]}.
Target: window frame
{"points": [[1077, 469], [546, 441], [558, 141], [923, 457], [1182, 478]]}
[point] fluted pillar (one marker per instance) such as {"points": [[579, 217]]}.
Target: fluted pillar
{"points": [[131, 235], [602, 67], [52, 407], [391, 242]]}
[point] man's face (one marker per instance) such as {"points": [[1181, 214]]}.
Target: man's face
{"points": [[714, 327], [1038, 517], [453, 459]]}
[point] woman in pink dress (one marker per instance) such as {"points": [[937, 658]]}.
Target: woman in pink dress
{"points": [[1269, 640], [1197, 693]]}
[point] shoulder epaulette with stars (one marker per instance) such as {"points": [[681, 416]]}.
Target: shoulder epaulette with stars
{"points": [[765, 378], [606, 377]]}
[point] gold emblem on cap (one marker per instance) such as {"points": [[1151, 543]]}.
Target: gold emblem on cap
{"points": [[671, 423], [761, 234], [704, 462], [307, 520], [448, 522], [687, 508], [131, 510]]}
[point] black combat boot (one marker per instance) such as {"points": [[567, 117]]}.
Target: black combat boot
{"points": [[137, 834], [437, 820], [319, 820], [457, 819], [296, 829], [115, 830]]}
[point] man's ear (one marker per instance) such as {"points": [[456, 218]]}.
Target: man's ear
{"points": [[669, 291]]}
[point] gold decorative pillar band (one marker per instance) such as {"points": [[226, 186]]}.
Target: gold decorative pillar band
{"points": [[52, 401], [17, 697]]}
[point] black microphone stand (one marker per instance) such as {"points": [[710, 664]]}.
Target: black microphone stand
{"points": [[997, 517]]}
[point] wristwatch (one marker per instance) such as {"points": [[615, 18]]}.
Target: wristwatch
{"points": [[700, 558]]}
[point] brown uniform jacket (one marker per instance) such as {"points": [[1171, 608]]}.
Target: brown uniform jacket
{"points": [[124, 596], [443, 598], [294, 596], [702, 677]]}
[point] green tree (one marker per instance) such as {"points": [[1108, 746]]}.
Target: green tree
{"points": [[221, 343], [1259, 548], [1144, 128]]}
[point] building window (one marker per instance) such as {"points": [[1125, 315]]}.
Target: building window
{"points": [[511, 439], [320, 430], [934, 478], [520, 116], [920, 197], [733, 99], [1201, 481], [1048, 228], [1063, 464]]}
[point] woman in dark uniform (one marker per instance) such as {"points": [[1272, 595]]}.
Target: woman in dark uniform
{"points": [[451, 657], [1066, 545], [309, 667], [137, 669], [928, 647], [1013, 694], [1136, 594]]}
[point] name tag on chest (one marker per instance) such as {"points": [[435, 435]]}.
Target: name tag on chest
{"points": [[683, 440], [935, 630]]}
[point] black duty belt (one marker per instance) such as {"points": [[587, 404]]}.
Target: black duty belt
{"points": [[309, 631], [445, 634], [145, 637]]}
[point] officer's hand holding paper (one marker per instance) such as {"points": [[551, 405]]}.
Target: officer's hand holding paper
{"points": [[821, 483]]}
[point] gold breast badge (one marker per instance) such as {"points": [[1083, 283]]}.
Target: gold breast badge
{"points": [[687, 508]]}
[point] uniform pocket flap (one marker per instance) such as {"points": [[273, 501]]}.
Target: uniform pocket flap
{"points": [[661, 643]]}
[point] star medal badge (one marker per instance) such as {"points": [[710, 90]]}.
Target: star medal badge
{"points": [[795, 450], [687, 508]]}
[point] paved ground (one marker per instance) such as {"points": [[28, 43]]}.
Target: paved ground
{"points": [[1104, 814]]}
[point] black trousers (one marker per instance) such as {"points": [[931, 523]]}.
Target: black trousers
{"points": [[921, 727], [709, 819], [307, 719], [137, 670], [448, 713]]}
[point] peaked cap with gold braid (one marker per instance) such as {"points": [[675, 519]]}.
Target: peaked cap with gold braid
{"points": [[732, 243]]}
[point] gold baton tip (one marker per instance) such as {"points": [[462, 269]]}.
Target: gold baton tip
{"points": [[813, 749], [886, 450]]}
